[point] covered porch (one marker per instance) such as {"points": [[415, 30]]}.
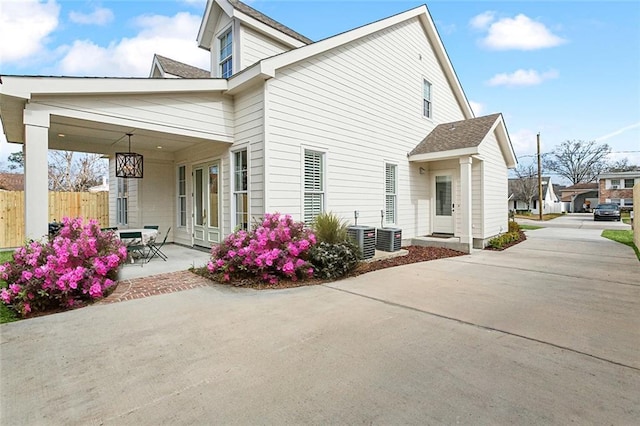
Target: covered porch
{"points": [[171, 123]]}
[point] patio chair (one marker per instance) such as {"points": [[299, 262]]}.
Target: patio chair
{"points": [[155, 249], [134, 245], [151, 227]]}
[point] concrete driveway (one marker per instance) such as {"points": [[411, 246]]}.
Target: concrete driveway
{"points": [[546, 332]]}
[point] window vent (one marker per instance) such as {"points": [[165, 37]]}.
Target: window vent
{"points": [[614, 186], [389, 239], [365, 238]]}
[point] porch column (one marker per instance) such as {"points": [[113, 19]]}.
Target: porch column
{"points": [[36, 178], [466, 230]]}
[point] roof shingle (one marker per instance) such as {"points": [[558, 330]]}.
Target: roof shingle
{"points": [[242, 7], [456, 135], [180, 69]]}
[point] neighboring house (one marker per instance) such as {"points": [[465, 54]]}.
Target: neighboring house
{"points": [[285, 125], [168, 68], [11, 182], [518, 201], [617, 188], [580, 198]]}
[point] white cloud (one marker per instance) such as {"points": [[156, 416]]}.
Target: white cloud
{"points": [[100, 16], [522, 78], [524, 143], [477, 108], [520, 33], [24, 28], [132, 57], [482, 21]]}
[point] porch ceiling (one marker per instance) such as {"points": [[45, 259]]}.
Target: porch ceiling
{"points": [[105, 138]]}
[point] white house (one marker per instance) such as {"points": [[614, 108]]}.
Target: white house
{"points": [[551, 201], [371, 120]]}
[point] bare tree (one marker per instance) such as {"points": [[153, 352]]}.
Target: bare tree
{"points": [[578, 161], [526, 185], [621, 166], [75, 172]]}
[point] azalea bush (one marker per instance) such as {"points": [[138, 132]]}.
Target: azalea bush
{"points": [[276, 248], [78, 265]]}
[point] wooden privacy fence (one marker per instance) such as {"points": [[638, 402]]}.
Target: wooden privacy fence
{"points": [[88, 205]]}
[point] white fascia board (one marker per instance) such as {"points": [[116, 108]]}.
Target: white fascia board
{"points": [[284, 59], [26, 87], [444, 155], [266, 29], [505, 143], [248, 75], [155, 65], [449, 71], [205, 33]]}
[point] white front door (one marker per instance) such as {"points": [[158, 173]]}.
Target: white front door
{"points": [[444, 207], [206, 204]]}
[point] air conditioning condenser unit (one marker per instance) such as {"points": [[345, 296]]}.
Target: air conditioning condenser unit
{"points": [[389, 239], [365, 238]]}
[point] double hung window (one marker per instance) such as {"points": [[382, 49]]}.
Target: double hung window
{"points": [[240, 190], [226, 54], [391, 196]]}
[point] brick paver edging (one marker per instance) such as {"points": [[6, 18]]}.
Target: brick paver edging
{"points": [[157, 284]]}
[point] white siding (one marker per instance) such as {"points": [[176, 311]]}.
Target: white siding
{"points": [[477, 188], [210, 113], [156, 196], [249, 133], [495, 188], [361, 104], [256, 46]]}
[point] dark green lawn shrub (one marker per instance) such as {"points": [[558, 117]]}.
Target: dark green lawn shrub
{"points": [[332, 261], [504, 239]]}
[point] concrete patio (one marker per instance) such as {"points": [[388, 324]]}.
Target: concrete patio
{"points": [[179, 258]]}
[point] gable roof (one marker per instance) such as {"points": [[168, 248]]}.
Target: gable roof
{"points": [[457, 135], [242, 7], [12, 181], [248, 16], [177, 68]]}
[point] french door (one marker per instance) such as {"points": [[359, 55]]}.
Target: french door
{"points": [[207, 203]]}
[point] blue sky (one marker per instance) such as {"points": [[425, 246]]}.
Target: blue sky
{"points": [[566, 69]]}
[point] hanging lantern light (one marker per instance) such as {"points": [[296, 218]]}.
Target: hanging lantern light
{"points": [[129, 164]]}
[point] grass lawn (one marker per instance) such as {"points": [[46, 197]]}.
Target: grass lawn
{"points": [[6, 314], [525, 227], [626, 217], [625, 237]]}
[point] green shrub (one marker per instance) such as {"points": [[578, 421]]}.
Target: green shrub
{"points": [[514, 227], [335, 260], [504, 239], [329, 228]]}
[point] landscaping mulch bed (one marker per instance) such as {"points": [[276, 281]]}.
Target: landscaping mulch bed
{"points": [[416, 254], [511, 244]]}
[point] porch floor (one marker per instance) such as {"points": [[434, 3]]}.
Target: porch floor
{"points": [[179, 258]]}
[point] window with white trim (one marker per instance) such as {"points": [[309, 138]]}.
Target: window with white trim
{"points": [[240, 190], [391, 196], [313, 185], [426, 99], [122, 202], [615, 183], [182, 196], [628, 183], [226, 54]]}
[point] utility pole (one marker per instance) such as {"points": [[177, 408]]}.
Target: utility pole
{"points": [[540, 200]]}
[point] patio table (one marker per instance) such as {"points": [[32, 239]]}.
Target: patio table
{"points": [[147, 234]]}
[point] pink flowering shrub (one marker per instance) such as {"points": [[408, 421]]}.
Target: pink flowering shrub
{"points": [[276, 248], [78, 265]]}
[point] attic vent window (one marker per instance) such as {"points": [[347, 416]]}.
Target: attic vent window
{"points": [[226, 54]]}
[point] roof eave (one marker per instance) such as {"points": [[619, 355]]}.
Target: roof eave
{"points": [[443, 155]]}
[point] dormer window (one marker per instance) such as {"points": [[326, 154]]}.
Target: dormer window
{"points": [[226, 54]]}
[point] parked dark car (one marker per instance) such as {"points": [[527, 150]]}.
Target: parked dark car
{"points": [[606, 212]]}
